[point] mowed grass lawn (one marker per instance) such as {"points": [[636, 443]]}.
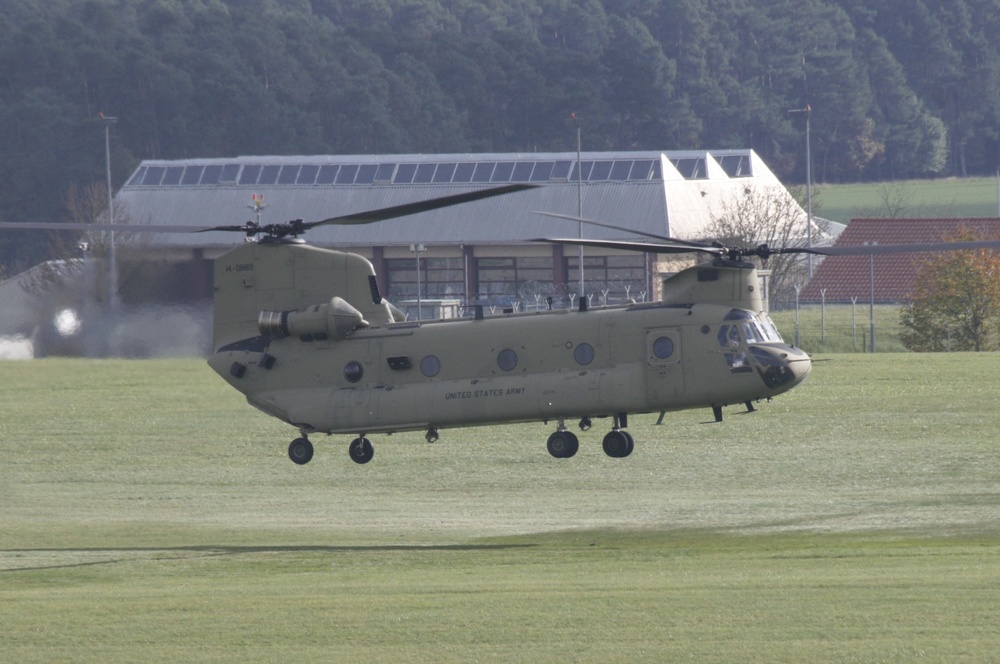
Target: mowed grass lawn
{"points": [[943, 197], [148, 514]]}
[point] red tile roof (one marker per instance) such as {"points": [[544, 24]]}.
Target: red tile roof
{"points": [[845, 277]]}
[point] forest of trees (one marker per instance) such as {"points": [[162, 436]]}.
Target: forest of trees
{"points": [[898, 88]]}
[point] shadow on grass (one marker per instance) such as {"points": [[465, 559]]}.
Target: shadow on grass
{"points": [[219, 551]]}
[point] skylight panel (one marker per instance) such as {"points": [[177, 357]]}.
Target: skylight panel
{"points": [[173, 175], [601, 171], [366, 174], [620, 171], [153, 175], [250, 174], [584, 168], [560, 170], [502, 172], [483, 171], [444, 172], [269, 174], [463, 172], [327, 174], [384, 173], [307, 174], [404, 174], [288, 174], [641, 169], [229, 173], [424, 174], [347, 173], [211, 174], [543, 169], [192, 175], [522, 171]]}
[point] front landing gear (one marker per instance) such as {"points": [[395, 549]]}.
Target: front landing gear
{"points": [[563, 444], [300, 451], [361, 450]]}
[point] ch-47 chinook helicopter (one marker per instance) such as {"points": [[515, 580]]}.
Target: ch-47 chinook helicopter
{"points": [[304, 333]]}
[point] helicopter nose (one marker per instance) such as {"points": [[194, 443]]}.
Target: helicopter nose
{"points": [[781, 367]]}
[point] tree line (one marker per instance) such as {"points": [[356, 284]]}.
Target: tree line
{"points": [[897, 88]]}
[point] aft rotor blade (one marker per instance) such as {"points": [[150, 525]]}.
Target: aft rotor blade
{"points": [[382, 214], [876, 249], [646, 247], [631, 231]]}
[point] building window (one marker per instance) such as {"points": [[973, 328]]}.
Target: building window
{"points": [[622, 276], [515, 278], [440, 278]]}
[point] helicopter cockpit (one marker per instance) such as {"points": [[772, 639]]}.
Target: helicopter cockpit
{"points": [[751, 342]]}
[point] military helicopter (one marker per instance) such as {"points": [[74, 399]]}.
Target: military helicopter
{"points": [[304, 333]]}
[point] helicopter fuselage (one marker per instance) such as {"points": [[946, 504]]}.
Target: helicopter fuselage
{"points": [[324, 367], [515, 367]]}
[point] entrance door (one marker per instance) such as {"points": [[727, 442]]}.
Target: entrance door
{"points": [[664, 369]]}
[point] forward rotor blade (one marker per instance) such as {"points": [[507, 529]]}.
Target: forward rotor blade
{"points": [[630, 231], [382, 214], [128, 228], [646, 247]]}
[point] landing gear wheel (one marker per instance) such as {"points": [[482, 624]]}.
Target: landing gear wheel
{"points": [[563, 444], [361, 450], [618, 444], [300, 451], [631, 442]]}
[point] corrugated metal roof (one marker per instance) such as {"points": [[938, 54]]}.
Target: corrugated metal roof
{"points": [[664, 203]]}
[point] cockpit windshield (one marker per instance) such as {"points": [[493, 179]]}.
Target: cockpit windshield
{"points": [[755, 328]]}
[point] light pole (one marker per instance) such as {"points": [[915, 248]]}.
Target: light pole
{"points": [[809, 206], [113, 276], [871, 295], [417, 249], [579, 191]]}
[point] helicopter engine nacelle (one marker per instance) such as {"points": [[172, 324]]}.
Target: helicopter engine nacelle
{"points": [[335, 320]]}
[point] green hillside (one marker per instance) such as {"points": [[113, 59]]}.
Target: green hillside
{"points": [[950, 197]]}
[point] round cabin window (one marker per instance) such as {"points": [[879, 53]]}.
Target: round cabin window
{"points": [[663, 347], [583, 353], [353, 371], [507, 359], [430, 366]]}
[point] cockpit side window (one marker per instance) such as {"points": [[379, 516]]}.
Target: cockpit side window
{"points": [[729, 336]]}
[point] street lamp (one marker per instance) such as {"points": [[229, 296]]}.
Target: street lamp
{"points": [[579, 190], [113, 277], [417, 249], [809, 206]]}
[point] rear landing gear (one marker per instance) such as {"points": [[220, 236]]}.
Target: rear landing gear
{"points": [[361, 450], [300, 451], [618, 444]]}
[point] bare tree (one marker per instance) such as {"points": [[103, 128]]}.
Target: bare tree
{"points": [[766, 216], [89, 205], [84, 205]]}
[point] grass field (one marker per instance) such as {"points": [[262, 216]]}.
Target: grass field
{"points": [[148, 514], [947, 197]]}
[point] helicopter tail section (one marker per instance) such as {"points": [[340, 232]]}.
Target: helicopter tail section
{"points": [[274, 280]]}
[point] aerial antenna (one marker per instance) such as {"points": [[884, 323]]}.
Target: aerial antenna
{"points": [[257, 206]]}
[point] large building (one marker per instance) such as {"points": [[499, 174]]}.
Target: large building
{"points": [[887, 278], [477, 252]]}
